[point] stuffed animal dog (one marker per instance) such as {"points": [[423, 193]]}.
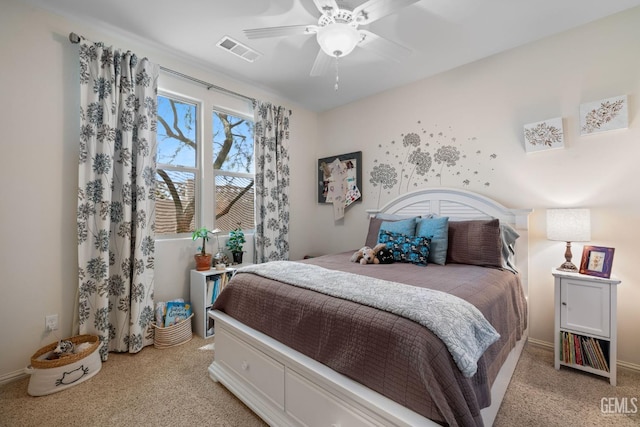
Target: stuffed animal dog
{"points": [[367, 255]]}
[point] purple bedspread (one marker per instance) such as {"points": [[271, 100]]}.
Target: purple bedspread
{"points": [[392, 355]]}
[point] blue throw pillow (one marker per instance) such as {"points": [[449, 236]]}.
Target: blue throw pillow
{"points": [[437, 229], [413, 249], [405, 226]]}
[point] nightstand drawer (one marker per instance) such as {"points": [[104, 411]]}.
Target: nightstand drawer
{"points": [[585, 307]]}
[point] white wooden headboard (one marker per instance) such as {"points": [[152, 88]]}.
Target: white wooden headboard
{"points": [[459, 205]]}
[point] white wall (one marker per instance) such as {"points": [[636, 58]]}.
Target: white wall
{"points": [[39, 90], [484, 105]]}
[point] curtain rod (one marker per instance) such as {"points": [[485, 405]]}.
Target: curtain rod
{"points": [[75, 38]]}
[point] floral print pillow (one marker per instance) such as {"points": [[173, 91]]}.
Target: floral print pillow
{"points": [[406, 248]]}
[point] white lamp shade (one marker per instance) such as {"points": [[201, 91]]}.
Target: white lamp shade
{"points": [[338, 39], [569, 225]]}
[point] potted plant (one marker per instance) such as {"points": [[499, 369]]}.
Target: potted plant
{"points": [[235, 242], [203, 259]]}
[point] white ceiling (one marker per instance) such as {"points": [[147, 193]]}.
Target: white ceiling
{"points": [[442, 34]]}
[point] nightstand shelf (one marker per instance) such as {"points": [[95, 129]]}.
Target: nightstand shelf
{"points": [[585, 323]]}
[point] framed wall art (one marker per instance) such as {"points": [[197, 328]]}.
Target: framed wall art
{"points": [[604, 115], [597, 261], [341, 174], [544, 135]]}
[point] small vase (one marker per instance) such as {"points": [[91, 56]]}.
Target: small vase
{"points": [[237, 257], [203, 262]]}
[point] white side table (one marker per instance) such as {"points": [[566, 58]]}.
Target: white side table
{"points": [[202, 298], [585, 323]]}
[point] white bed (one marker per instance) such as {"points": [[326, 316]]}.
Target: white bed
{"points": [[287, 388]]}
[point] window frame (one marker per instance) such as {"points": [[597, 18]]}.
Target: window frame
{"points": [[207, 102], [197, 170]]}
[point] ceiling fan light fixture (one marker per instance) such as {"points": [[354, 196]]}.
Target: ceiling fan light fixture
{"points": [[338, 39]]}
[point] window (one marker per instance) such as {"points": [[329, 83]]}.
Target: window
{"points": [[177, 172], [200, 185], [233, 169]]}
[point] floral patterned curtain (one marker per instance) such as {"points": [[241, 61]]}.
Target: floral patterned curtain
{"points": [[116, 199], [272, 181]]}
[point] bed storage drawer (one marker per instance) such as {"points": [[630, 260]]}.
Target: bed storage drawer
{"points": [[261, 371], [311, 406]]}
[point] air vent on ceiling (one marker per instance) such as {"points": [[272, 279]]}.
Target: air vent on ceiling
{"points": [[238, 49]]}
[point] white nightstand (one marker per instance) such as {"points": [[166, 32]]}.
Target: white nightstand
{"points": [[585, 323]]}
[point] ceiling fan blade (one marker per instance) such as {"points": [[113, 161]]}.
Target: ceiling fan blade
{"points": [[321, 64], [372, 10], [383, 47], [260, 33], [326, 5]]}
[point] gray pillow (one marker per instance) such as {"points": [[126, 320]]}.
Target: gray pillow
{"points": [[508, 236], [372, 234]]}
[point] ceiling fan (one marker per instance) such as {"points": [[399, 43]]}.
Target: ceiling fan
{"points": [[338, 34]]}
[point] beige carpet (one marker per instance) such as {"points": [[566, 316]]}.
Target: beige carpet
{"points": [[172, 387], [538, 395], [169, 387]]}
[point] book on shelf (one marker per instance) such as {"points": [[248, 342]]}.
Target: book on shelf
{"points": [[597, 363], [569, 353], [209, 296], [573, 349], [216, 288], [588, 358], [578, 349], [600, 354], [224, 279]]}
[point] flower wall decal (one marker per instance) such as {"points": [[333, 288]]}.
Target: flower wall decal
{"points": [[544, 135], [429, 156], [448, 155], [384, 175], [604, 115], [411, 139], [421, 161]]}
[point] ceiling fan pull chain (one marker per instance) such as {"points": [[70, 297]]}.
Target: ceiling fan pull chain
{"points": [[337, 76]]}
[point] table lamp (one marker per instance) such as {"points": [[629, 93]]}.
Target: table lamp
{"points": [[569, 225]]}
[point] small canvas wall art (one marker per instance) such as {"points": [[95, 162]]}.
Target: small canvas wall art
{"points": [[544, 135], [604, 115]]}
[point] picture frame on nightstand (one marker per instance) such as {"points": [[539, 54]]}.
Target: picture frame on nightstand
{"points": [[597, 261]]}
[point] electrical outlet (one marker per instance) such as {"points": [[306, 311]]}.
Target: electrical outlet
{"points": [[51, 322]]}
